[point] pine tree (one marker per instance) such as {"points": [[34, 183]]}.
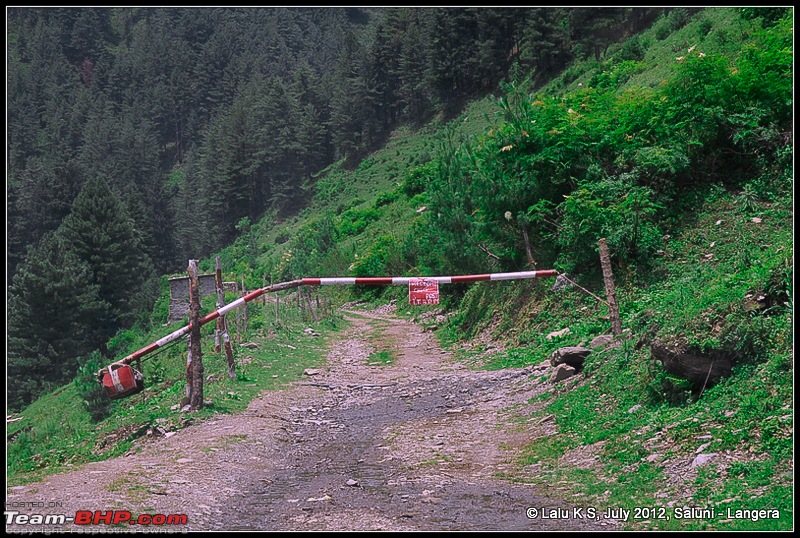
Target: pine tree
{"points": [[55, 316], [103, 235]]}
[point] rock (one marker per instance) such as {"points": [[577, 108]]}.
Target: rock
{"points": [[652, 458], [635, 408], [430, 328], [702, 447], [309, 331], [558, 334], [249, 345], [422, 209], [185, 460], [311, 371], [756, 220], [564, 371], [571, 355], [560, 283], [701, 370], [352, 483], [604, 340], [703, 459]]}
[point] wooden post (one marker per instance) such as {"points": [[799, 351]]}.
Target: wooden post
{"points": [[222, 324], [189, 376], [608, 278], [308, 302], [196, 398], [277, 304]]}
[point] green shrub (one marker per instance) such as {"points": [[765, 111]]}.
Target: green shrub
{"points": [[89, 390]]}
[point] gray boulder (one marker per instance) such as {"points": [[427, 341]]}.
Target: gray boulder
{"points": [[570, 355]]}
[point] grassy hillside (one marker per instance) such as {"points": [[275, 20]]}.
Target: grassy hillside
{"points": [[720, 278]]}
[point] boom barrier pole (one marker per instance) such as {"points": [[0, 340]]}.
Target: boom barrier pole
{"points": [[358, 281]]}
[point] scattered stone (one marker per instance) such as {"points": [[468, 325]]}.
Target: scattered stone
{"points": [[604, 340], [311, 371], [558, 334], [571, 355], [562, 372], [325, 497], [455, 411], [249, 345], [560, 283], [703, 459]]}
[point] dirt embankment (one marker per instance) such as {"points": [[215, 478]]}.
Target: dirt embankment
{"points": [[418, 444]]}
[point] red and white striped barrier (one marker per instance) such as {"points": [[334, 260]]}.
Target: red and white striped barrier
{"points": [[357, 281], [404, 280]]}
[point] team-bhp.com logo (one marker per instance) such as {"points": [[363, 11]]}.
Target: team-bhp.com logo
{"points": [[98, 517]]}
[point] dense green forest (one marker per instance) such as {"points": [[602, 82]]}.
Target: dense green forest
{"points": [[141, 137]]}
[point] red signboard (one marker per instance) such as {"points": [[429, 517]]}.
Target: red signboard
{"points": [[422, 291]]}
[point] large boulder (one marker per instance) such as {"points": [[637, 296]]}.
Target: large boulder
{"points": [[562, 372], [571, 355], [702, 370]]}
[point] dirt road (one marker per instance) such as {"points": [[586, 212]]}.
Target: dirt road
{"points": [[418, 444]]}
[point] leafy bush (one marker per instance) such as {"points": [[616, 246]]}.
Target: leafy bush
{"points": [[417, 178], [89, 390], [622, 212], [633, 49], [354, 221], [385, 198]]}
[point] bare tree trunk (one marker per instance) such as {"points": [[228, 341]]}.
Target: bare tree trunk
{"points": [[196, 398], [310, 307], [608, 278]]}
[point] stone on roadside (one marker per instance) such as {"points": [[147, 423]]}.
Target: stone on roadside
{"points": [[558, 334], [562, 372], [570, 355]]}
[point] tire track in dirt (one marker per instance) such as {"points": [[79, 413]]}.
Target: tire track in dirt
{"points": [[414, 445]]}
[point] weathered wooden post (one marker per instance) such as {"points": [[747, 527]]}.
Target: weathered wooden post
{"points": [[277, 304], [222, 324], [196, 368], [611, 295]]}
